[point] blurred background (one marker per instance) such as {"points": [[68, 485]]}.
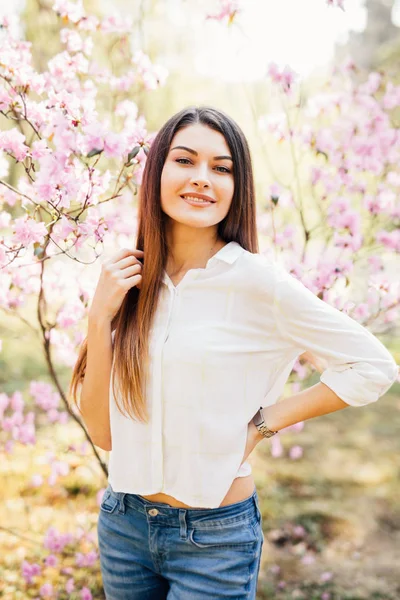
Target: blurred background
{"points": [[330, 490]]}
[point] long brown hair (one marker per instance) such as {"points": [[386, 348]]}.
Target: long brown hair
{"points": [[133, 321]]}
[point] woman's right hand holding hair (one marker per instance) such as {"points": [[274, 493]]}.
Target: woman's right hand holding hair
{"points": [[119, 273]]}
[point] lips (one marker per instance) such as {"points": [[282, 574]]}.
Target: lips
{"points": [[197, 203], [200, 196]]}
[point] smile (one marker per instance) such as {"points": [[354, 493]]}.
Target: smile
{"points": [[196, 201]]}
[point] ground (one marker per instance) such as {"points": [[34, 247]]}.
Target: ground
{"points": [[331, 518]]}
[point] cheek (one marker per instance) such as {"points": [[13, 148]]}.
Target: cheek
{"points": [[228, 185], [229, 189], [167, 183]]}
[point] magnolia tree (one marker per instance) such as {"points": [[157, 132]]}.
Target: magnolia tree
{"points": [[70, 166]]}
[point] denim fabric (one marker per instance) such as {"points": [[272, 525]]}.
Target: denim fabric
{"points": [[152, 551]]}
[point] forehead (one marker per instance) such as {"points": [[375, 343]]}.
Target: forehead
{"points": [[200, 138]]}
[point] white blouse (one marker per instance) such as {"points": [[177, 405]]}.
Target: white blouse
{"points": [[223, 343]]}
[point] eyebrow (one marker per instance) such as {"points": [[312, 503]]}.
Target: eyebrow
{"points": [[196, 153]]}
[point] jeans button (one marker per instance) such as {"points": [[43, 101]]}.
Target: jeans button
{"points": [[153, 512]]}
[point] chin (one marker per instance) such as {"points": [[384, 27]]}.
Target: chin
{"points": [[198, 220]]}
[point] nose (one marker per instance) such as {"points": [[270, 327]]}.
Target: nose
{"points": [[200, 178]]}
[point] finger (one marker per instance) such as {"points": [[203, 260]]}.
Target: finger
{"points": [[124, 252], [127, 262], [132, 281], [129, 271]]}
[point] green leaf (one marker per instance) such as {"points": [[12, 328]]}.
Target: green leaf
{"points": [[94, 152], [38, 250], [133, 153]]}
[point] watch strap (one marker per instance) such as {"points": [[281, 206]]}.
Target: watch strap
{"points": [[259, 422]]}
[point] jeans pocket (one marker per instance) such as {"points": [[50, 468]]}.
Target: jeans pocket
{"points": [[109, 502], [239, 536]]}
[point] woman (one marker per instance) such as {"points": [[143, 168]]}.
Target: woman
{"points": [[199, 331]]}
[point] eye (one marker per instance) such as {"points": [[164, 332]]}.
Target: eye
{"points": [[226, 170]]}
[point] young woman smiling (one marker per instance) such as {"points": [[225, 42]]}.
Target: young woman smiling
{"points": [[191, 338]]}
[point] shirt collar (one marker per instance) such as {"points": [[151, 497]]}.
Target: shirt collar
{"points": [[229, 253]]}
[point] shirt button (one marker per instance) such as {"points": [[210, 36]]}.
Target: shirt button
{"points": [[153, 512]]}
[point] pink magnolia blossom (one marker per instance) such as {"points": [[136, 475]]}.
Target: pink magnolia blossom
{"points": [[58, 468], [85, 594], [275, 569], [70, 315], [44, 395], [71, 10], [13, 141], [47, 591], [86, 560], [391, 98], [228, 10], [153, 76], [308, 559], [296, 452], [39, 149], [299, 531], [276, 446], [75, 42], [5, 99], [127, 109], [56, 541], [116, 24], [51, 560], [30, 570], [390, 239], [284, 77], [339, 3], [281, 584], [115, 145], [28, 231], [62, 229], [36, 480]]}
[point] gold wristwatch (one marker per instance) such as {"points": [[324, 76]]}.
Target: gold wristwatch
{"points": [[259, 422]]}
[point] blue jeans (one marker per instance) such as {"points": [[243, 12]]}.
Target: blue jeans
{"points": [[153, 551]]}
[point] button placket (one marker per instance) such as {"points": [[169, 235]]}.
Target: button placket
{"points": [[158, 461]]}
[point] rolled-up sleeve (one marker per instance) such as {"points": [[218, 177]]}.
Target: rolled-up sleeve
{"points": [[360, 369]]}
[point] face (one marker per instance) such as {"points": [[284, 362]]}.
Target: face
{"points": [[201, 166]]}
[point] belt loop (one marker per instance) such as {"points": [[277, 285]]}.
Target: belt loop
{"points": [[121, 504], [182, 523]]}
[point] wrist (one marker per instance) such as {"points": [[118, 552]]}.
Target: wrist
{"points": [[98, 322], [270, 420], [257, 435], [262, 424]]}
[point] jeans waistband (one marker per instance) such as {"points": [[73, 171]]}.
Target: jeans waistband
{"points": [[172, 516]]}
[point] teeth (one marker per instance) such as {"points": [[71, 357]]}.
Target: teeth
{"points": [[195, 199]]}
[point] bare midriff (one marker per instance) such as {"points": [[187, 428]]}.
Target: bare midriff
{"points": [[241, 488]]}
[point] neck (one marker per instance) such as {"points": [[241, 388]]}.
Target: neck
{"points": [[192, 250]]}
